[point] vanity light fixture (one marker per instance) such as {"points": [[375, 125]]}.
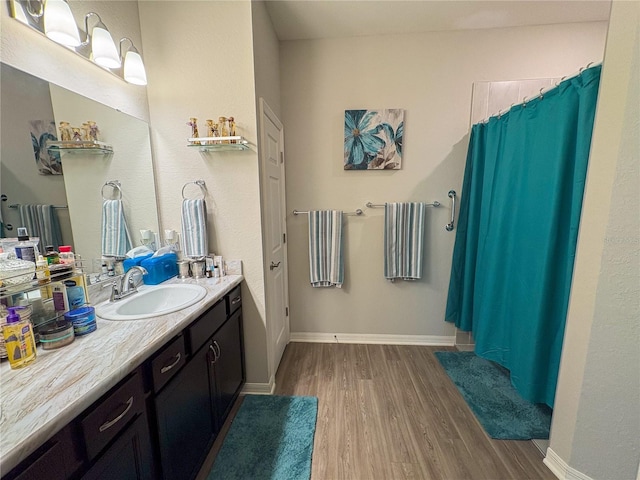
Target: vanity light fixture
{"points": [[103, 49], [59, 24], [55, 19], [134, 71]]}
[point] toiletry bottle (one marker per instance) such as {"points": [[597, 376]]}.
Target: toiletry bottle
{"points": [[53, 257], [66, 255], [75, 294], [25, 249], [43, 275], [19, 340], [60, 299]]}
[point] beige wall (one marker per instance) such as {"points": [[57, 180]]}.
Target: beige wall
{"points": [[266, 57], [596, 421], [200, 64], [430, 76]]}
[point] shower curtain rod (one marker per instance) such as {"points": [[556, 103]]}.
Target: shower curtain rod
{"points": [[542, 91]]}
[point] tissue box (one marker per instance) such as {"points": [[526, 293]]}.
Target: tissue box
{"points": [[159, 268], [134, 262]]}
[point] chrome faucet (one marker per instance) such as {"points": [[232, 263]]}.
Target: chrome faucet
{"points": [[127, 285]]}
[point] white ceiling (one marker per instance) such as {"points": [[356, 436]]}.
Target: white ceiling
{"points": [[308, 19]]}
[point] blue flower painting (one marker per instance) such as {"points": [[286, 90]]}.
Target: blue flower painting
{"points": [[373, 139], [47, 159]]}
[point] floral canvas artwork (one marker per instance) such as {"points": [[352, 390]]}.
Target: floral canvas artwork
{"points": [[373, 139], [47, 160]]}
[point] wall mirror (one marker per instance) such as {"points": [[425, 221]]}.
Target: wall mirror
{"points": [[72, 181]]}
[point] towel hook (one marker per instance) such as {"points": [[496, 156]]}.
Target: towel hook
{"points": [[115, 185], [199, 183]]}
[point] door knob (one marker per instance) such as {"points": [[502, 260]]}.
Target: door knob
{"points": [[274, 265]]}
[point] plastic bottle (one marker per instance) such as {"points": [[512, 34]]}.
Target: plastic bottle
{"points": [[25, 249], [43, 275], [75, 294], [60, 299], [53, 257], [66, 255], [19, 340]]}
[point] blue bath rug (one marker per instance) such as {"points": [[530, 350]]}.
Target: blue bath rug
{"points": [[270, 438], [487, 389]]}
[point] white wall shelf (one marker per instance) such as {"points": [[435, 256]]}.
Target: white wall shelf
{"points": [[219, 143]]}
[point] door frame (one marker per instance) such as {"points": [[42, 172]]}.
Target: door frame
{"points": [[266, 111]]}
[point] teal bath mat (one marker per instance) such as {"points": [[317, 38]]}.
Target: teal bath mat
{"points": [[486, 388], [271, 438]]}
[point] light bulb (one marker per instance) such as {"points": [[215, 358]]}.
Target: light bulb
{"points": [[59, 24], [134, 68], [103, 49]]}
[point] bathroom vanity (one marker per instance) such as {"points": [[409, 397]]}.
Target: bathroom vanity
{"points": [[138, 399]]}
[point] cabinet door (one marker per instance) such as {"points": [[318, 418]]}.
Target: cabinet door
{"points": [[184, 419], [229, 367], [129, 458]]}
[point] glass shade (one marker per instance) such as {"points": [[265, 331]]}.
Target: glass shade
{"points": [[103, 49], [59, 24], [134, 69]]}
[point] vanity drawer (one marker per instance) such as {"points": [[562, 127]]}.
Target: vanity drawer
{"points": [[205, 326], [111, 415], [234, 300], [167, 363]]}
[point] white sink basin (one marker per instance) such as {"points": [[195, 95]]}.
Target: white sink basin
{"points": [[152, 302]]}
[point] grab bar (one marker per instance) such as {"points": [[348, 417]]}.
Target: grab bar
{"points": [[452, 196]]}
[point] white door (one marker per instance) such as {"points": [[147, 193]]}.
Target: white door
{"points": [[275, 250]]}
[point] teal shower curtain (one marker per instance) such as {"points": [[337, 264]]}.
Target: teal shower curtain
{"points": [[517, 232]]}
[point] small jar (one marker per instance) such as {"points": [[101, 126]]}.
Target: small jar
{"points": [[183, 269], [53, 257], [198, 269], [56, 336], [83, 319]]}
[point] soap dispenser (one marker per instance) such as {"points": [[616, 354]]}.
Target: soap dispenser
{"points": [[19, 340]]}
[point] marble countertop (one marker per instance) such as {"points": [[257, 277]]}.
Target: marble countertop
{"points": [[38, 400]]}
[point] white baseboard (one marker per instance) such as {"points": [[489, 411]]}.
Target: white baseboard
{"points": [[260, 388], [381, 339], [561, 469]]}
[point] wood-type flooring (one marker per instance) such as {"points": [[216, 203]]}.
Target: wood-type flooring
{"points": [[389, 412]]}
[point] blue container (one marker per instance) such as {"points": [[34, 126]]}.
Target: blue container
{"points": [[160, 268], [134, 262], [83, 319]]}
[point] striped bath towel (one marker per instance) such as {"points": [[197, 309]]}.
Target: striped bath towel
{"points": [[325, 248], [42, 221], [403, 240], [116, 240], [194, 228]]}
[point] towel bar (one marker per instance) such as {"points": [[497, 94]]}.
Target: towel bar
{"points": [[199, 183], [380, 205], [357, 212], [16, 205]]}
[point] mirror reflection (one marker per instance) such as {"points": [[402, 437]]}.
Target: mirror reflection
{"points": [[72, 182]]}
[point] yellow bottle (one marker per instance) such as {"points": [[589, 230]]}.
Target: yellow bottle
{"points": [[19, 340]]}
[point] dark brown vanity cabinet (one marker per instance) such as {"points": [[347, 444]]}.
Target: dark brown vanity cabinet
{"points": [[191, 408], [160, 420]]}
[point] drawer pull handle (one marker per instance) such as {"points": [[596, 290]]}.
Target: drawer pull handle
{"points": [[215, 354], [215, 344], [111, 423], [236, 300], [166, 368]]}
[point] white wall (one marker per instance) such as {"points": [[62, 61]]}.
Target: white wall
{"points": [[596, 421], [200, 64], [430, 76], [266, 57], [30, 51]]}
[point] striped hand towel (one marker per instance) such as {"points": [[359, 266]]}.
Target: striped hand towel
{"points": [[116, 240], [403, 240], [325, 248], [42, 221], [194, 228]]}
